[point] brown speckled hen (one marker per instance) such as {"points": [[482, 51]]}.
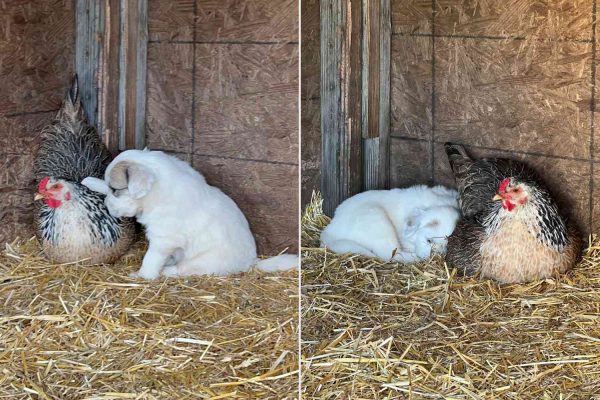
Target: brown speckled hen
{"points": [[511, 229], [72, 221]]}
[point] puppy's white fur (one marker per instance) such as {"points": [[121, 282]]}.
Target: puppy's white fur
{"points": [[404, 225], [192, 228]]}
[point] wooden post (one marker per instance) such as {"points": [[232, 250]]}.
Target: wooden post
{"points": [[110, 60], [376, 93], [355, 98], [341, 168]]}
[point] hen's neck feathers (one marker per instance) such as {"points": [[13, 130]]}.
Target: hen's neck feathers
{"points": [[541, 216]]}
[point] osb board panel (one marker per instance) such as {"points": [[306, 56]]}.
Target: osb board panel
{"points": [[568, 180], [514, 95], [557, 19], [18, 143], [247, 101], [311, 49], [16, 215], [266, 193], [409, 162], [36, 54], [169, 96], [19, 135], [411, 79], [171, 20], [311, 148], [411, 16], [247, 20]]}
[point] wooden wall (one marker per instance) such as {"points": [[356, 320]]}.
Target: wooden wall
{"points": [[36, 65], [223, 95], [514, 78], [310, 98]]}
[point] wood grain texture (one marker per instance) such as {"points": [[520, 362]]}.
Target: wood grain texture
{"points": [[169, 97], [247, 101], [171, 20], [132, 85], [411, 16], [266, 193], [36, 54], [567, 180], [409, 162], [558, 19], [18, 142], [247, 20], [411, 87], [311, 52], [310, 149], [514, 95], [341, 114]]}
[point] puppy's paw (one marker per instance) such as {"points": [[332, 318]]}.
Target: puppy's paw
{"points": [[143, 275], [171, 272]]}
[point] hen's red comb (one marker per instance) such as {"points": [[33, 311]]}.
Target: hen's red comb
{"points": [[503, 185], [43, 183]]}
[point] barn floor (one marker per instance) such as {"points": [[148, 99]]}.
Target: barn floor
{"points": [[373, 330], [72, 332]]}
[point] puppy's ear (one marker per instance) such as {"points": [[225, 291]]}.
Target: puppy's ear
{"points": [[141, 180], [133, 176], [413, 222]]}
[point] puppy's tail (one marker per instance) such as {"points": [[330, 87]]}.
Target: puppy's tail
{"points": [[282, 262]]}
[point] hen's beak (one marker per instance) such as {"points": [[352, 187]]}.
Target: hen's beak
{"points": [[497, 197], [39, 196]]}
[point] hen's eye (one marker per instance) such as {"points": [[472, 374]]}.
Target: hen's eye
{"points": [[429, 241]]}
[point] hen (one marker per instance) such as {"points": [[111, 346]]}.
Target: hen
{"points": [[73, 223], [510, 229]]}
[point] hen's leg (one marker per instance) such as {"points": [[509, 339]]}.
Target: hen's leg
{"points": [[154, 259]]}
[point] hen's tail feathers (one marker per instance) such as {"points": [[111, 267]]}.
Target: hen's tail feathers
{"points": [[456, 155], [282, 262]]}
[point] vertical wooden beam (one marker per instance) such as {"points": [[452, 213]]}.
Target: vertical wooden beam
{"points": [[108, 76], [376, 92], [385, 84], [90, 25], [132, 83], [341, 119], [110, 56]]}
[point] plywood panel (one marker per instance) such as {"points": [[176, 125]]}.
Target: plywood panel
{"points": [[247, 20], [311, 49], [411, 16], [311, 148], [411, 76], [409, 162], [266, 193], [171, 20], [514, 95], [247, 101], [36, 54], [559, 19], [169, 101]]}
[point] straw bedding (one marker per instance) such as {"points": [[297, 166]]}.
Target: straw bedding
{"points": [[72, 332], [374, 330]]}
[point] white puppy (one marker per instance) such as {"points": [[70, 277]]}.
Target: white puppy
{"points": [[405, 225], [192, 228]]}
